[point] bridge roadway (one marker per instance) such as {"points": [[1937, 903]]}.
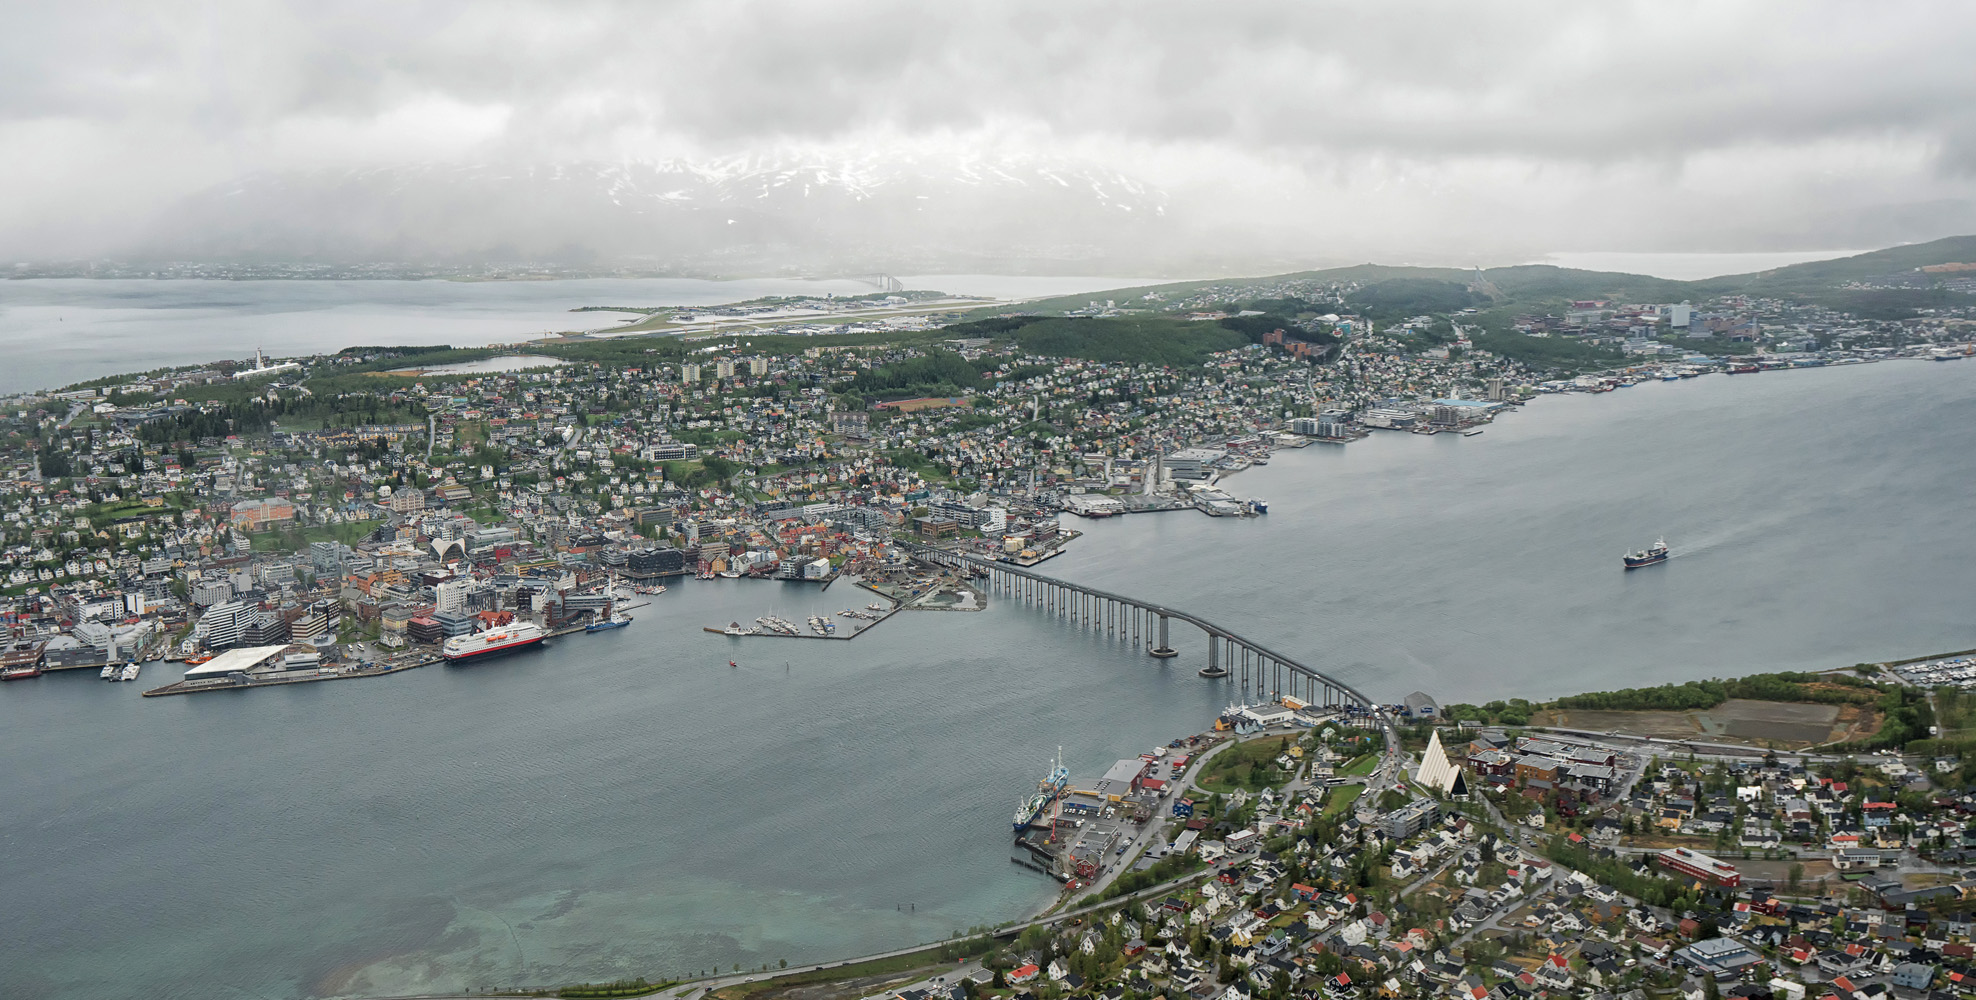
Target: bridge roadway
{"points": [[1262, 672]]}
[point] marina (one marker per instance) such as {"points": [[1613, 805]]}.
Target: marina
{"points": [[820, 626]]}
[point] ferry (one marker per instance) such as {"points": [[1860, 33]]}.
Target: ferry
{"points": [[1743, 369], [109, 672], [619, 620], [1047, 790], [1648, 556], [21, 673], [129, 672], [501, 640]]}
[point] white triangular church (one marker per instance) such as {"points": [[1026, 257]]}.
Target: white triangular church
{"points": [[1437, 772]]}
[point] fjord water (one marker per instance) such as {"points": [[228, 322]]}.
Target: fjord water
{"points": [[628, 804], [1818, 518], [58, 331]]}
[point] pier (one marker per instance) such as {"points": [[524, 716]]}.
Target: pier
{"points": [[1262, 672]]}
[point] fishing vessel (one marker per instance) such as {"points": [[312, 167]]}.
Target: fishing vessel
{"points": [[1047, 791], [505, 639], [1259, 505], [1648, 556]]}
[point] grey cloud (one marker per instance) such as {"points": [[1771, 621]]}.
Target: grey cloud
{"points": [[1479, 113]]}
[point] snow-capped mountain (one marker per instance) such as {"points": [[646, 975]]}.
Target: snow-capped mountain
{"points": [[899, 211]]}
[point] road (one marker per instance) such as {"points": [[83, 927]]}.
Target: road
{"points": [[1153, 830]]}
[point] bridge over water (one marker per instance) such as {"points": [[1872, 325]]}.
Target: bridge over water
{"points": [[1263, 673]]}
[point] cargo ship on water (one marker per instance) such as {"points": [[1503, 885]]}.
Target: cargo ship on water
{"points": [[1047, 791], [505, 639], [1648, 556], [618, 620]]}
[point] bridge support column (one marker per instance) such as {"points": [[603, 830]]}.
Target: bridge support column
{"points": [[1163, 651], [1214, 668]]}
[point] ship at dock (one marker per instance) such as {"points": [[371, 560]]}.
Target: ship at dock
{"points": [[618, 620], [1048, 790], [505, 639], [1655, 553]]}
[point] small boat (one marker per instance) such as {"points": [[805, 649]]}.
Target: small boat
{"points": [[731, 663], [1648, 556]]}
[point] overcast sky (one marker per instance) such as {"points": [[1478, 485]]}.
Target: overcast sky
{"points": [[1375, 128]]}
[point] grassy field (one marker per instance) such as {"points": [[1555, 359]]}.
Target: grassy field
{"points": [[1342, 798], [865, 976], [349, 533], [1250, 765]]}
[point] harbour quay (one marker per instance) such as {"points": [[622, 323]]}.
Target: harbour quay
{"points": [[265, 666]]}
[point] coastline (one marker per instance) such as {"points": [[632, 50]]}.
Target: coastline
{"points": [[1234, 531], [1043, 906]]}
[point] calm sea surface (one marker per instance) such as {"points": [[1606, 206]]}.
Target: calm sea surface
{"points": [[626, 803]]}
